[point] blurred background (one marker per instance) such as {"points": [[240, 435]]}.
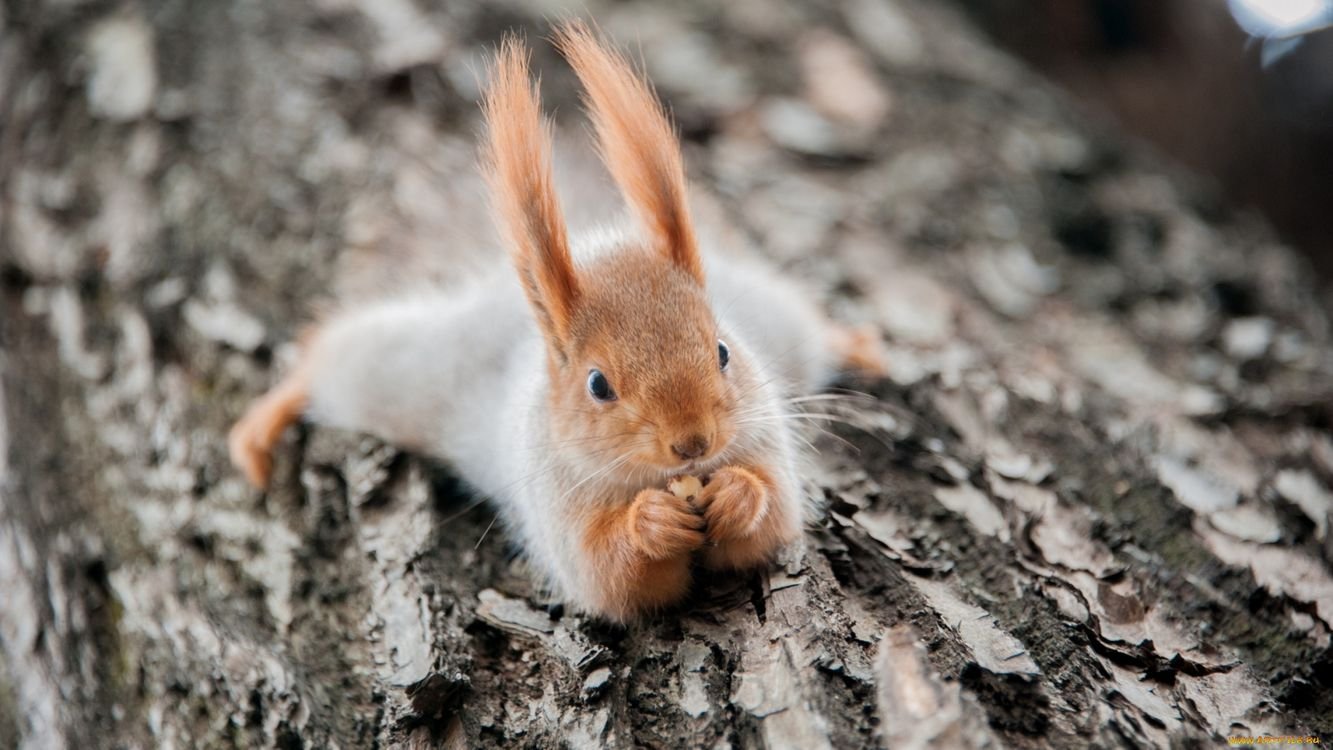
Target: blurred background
{"points": [[1108, 418], [1241, 90]]}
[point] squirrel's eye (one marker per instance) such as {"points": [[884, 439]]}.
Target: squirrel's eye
{"points": [[599, 387], [723, 355]]}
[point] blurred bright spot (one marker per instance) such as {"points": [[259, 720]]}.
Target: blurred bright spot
{"points": [[1270, 18]]}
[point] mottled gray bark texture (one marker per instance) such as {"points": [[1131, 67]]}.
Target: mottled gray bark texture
{"points": [[1089, 506]]}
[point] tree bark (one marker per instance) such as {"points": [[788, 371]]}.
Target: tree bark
{"points": [[1088, 506]]}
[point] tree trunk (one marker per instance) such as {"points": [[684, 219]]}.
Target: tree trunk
{"points": [[1089, 506]]}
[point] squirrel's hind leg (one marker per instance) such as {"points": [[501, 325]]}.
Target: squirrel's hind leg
{"points": [[859, 349], [251, 440]]}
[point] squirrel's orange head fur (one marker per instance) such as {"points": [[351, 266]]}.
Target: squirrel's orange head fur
{"points": [[638, 315]]}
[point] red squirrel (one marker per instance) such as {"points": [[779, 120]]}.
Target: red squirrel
{"points": [[572, 389]]}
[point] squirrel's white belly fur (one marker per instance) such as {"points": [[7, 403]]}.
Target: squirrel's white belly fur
{"points": [[461, 374]]}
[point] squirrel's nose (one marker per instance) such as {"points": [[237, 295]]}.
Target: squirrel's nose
{"points": [[691, 447]]}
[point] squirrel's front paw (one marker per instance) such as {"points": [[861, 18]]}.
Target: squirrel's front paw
{"points": [[733, 503], [663, 526]]}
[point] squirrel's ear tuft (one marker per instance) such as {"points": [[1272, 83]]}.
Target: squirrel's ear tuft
{"points": [[637, 142], [518, 168]]}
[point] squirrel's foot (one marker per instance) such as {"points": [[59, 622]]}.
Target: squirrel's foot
{"points": [[860, 350], [251, 440]]}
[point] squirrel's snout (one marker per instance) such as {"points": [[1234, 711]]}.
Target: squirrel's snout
{"points": [[693, 446]]}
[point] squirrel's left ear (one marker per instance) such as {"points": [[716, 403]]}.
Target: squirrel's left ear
{"points": [[637, 142]]}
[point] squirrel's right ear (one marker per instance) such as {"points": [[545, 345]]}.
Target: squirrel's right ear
{"points": [[518, 169]]}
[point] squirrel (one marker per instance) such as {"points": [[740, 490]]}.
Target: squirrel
{"points": [[572, 392]]}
